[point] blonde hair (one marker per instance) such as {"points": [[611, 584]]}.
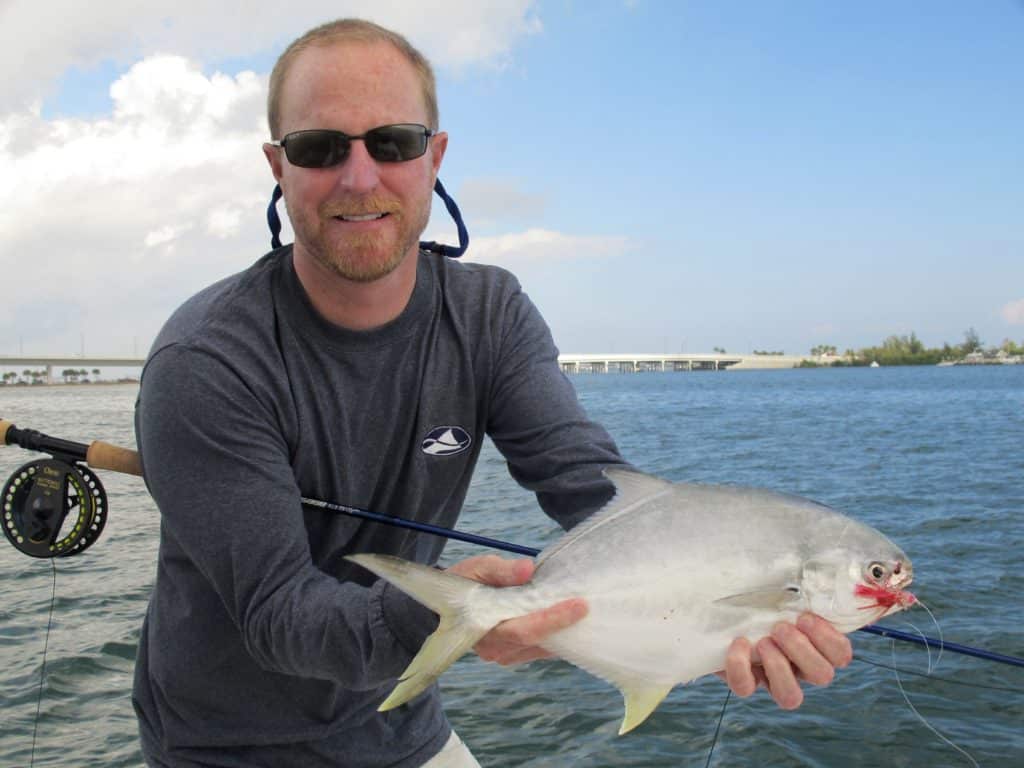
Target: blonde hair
{"points": [[348, 31]]}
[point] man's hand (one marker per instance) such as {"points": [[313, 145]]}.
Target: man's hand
{"points": [[812, 651], [517, 640]]}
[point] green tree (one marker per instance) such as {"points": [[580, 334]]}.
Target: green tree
{"points": [[972, 342], [914, 344], [900, 350], [1010, 348]]}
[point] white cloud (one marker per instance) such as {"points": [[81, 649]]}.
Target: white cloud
{"points": [[1013, 313], [223, 223], [541, 244], [488, 200], [127, 215], [43, 40], [162, 236]]}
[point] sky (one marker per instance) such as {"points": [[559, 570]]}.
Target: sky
{"points": [[662, 176]]}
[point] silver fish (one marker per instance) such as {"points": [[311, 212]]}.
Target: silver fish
{"points": [[672, 573]]}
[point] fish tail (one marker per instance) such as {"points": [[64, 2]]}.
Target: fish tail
{"points": [[445, 594]]}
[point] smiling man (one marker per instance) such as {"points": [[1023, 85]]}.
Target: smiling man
{"points": [[332, 369], [358, 220]]}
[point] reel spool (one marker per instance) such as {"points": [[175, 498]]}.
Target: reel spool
{"points": [[52, 508]]}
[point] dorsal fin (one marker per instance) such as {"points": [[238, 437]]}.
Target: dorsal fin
{"points": [[631, 490]]}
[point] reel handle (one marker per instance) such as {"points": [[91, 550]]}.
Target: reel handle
{"points": [[102, 455], [98, 455]]}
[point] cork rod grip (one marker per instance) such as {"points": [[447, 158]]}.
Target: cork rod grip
{"points": [[4, 426], [106, 456]]}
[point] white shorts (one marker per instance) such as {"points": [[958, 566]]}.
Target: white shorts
{"points": [[454, 754]]}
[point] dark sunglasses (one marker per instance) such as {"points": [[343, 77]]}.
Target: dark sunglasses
{"points": [[322, 148]]}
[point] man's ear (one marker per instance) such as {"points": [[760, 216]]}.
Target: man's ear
{"points": [[438, 145], [273, 155]]}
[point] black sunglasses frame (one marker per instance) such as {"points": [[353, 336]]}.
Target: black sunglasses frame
{"points": [[335, 146]]}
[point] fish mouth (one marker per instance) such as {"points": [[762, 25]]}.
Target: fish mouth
{"points": [[891, 595], [902, 576], [884, 598]]}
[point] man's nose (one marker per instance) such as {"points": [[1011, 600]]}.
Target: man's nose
{"points": [[359, 172]]}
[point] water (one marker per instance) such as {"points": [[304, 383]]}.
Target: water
{"points": [[930, 456]]}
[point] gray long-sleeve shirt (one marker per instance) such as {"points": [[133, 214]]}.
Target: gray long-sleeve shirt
{"points": [[262, 646]]}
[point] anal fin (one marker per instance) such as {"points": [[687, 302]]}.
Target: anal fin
{"points": [[641, 700]]}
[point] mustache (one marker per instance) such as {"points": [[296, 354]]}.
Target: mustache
{"points": [[359, 206]]}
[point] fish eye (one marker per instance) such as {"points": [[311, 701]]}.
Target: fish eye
{"points": [[877, 571]]}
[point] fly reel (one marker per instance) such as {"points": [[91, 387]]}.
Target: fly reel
{"points": [[52, 508]]}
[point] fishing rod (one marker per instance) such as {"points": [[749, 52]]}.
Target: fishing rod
{"points": [[40, 495]]}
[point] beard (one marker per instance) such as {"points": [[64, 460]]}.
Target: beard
{"points": [[362, 257]]}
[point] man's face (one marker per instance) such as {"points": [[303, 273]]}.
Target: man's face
{"points": [[362, 218]]}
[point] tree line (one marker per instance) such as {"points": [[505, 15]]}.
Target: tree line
{"points": [[910, 350], [70, 376]]}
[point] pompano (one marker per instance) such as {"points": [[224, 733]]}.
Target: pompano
{"points": [[672, 573]]}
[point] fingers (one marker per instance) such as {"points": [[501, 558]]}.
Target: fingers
{"points": [[739, 668], [804, 659], [812, 651], [518, 640], [494, 571], [781, 678], [829, 641]]}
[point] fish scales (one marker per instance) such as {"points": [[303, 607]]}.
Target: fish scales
{"points": [[671, 573]]}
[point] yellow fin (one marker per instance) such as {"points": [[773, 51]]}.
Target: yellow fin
{"points": [[448, 596], [641, 701], [450, 641]]}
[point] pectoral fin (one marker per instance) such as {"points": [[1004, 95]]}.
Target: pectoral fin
{"points": [[641, 700], [769, 599]]}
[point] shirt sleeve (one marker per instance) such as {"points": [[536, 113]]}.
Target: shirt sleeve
{"points": [[536, 421], [233, 532]]}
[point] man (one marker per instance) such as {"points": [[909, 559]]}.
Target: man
{"points": [[322, 371]]}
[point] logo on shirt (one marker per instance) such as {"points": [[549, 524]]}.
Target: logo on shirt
{"points": [[446, 441]]}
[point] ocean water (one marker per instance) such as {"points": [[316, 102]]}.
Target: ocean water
{"points": [[931, 456]]}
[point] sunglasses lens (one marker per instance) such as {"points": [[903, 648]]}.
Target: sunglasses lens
{"points": [[316, 149], [324, 148], [395, 143]]}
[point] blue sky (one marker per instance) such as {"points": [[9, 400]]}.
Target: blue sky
{"points": [[662, 176]]}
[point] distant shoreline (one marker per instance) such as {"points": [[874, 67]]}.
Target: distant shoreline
{"points": [[944, 364], [101, 383]]}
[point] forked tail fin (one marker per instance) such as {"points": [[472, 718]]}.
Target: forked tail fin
{"points": [[446, 595]]}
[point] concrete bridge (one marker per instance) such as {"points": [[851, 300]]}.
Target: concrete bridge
{"points": [[643, 363], [631, 362]]}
